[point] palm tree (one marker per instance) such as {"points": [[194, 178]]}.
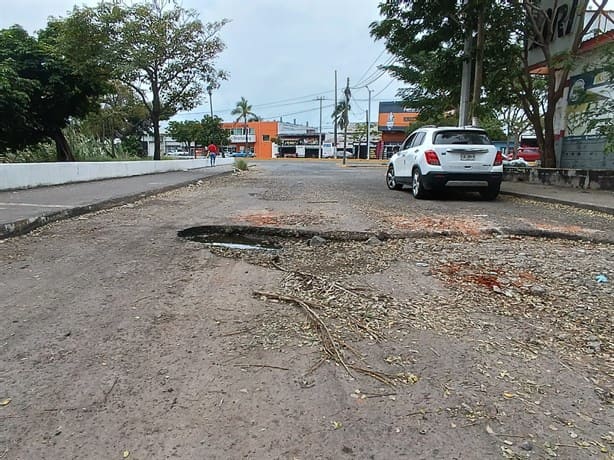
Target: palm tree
{"points": [[244, 110], [342, 116]]}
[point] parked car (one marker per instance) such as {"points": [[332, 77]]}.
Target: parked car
{"points": [[348, 153], [529, 154], [241, 154], [441, 158]]}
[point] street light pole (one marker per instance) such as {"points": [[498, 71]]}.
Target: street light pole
{"points": [[368, 125], [210, 90], [320, 131]]}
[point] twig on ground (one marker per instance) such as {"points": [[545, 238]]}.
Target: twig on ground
{"points": [[377, 395], [315, 366], [108, 392], [262, 365], [326, 338]]}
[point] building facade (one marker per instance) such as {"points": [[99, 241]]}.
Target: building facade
{"points": [[261, 137], [393, 122]]}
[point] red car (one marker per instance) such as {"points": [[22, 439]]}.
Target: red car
{"points": [[529, 154]]}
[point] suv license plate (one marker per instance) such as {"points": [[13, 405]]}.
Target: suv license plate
{"points": [[467, 156]]}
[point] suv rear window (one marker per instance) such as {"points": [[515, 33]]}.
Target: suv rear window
{"points": [[461, 137]]}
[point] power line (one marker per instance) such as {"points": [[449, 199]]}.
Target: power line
{"points": [[379, 73], [372, 64]]}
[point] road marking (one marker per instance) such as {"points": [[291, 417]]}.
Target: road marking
{"points": [[36, 205]]}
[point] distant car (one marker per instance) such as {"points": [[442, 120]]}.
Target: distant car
{"points": [[348, 153], [529, 154], [440, 158], [241, 155], [181, 154]]}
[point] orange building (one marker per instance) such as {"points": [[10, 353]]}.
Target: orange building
{"points": [[393, 122], [260, 137]]}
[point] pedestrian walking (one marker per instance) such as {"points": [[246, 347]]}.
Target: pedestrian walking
{"points": [[212, 153]]}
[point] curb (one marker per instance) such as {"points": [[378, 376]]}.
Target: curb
{"points": [[546, 199], [24, 226]]}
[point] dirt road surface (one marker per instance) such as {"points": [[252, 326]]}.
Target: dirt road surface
{"points": [[453, 334]]}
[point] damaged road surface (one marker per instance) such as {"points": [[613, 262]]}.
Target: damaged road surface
{"points": [[302, 310]]}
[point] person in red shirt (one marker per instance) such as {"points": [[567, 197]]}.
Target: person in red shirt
{"points": [[212, 153]]}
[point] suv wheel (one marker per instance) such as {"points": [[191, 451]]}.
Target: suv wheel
{"points": [[490, 193], [417, 189], [391, 182]]}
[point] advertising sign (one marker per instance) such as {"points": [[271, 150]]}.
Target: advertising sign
{"points": [[559, 21]]}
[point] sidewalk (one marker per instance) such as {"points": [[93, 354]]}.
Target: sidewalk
{"points": [[22, 211], [596, 200]]}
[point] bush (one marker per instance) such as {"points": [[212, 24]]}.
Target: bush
{"points": [[240, 164]]}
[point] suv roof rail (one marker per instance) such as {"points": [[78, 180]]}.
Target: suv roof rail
{"points": [[429, 126]]}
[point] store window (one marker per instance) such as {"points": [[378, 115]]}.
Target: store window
{"points": [[266, 138]]}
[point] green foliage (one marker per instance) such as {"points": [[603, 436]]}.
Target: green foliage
{"points": [[341, 114], [244, 110], [488, 123], [85, 148], [45, 82], [120, 116], [212, 132], [207, 131], [187, 132], [240, 164], [427, 40]]}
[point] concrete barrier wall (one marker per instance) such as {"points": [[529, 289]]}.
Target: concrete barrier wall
{"points": [[27, 175], [597, 179]]}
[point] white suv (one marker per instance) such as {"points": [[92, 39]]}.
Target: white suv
{"points": [[439, 158]]}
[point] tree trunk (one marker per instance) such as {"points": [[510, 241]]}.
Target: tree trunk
{"points": [[479, 66], [246, 133], [155, 119], [548, 141], [63, 150]]}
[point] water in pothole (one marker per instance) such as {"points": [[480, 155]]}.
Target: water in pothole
{"points": [[232, 241]]}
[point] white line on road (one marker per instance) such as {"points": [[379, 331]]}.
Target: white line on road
{"points": [[36, 205]]}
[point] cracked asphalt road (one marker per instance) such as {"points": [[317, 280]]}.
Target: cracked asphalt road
{"points": [[120, 339]]}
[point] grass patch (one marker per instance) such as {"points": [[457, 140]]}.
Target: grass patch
{"points": [[240, 164]]}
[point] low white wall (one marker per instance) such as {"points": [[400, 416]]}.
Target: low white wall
{"points": [[26, 175]]}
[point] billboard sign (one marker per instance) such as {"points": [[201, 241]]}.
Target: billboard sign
{"points": [[558, 22]]}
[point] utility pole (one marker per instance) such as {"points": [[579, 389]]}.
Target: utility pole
{"points": [[335, 122], [463, 114], [320, 131], [369, 125]]}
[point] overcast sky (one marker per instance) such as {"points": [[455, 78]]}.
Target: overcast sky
{"points": [[281, 54]]}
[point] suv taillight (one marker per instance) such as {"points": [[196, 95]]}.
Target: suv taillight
{"points": [[498, 159], [432, 158]]}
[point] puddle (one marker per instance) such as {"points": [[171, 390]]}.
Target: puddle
{"points": [[233, 241]]}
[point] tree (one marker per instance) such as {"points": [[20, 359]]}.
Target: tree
{"points": [[164, 53], [121, 116], [212, 132], [46, 81], [342, 115], [188, 132], [244, 110], [427, 38]]}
